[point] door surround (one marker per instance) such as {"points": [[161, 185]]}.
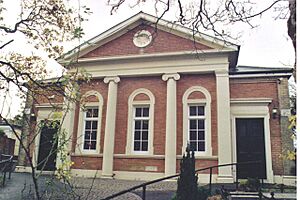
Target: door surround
{"points": [[252, 108], [44, 112]]}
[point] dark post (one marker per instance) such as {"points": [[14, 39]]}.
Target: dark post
{"points": [[144, 192], [236, 178], [187, 186], [210, 177]]}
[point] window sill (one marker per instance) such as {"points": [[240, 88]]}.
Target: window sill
{"points": [[87, 155], [146, 156], [201, 157]]}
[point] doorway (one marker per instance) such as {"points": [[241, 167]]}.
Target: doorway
{"points": [[48, 146], [250, 138]]}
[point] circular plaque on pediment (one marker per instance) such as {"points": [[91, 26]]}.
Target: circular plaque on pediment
{"points": [[142, 38]]}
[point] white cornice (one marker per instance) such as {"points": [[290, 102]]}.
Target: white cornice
{"points": [[257, 75], [152, 55]]}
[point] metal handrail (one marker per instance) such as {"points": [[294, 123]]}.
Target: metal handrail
{"points": [[7, 163], [143, 185]]}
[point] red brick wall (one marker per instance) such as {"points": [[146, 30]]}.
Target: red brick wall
{"points": [[201, 164], [99, 86], [263, 89], [88, 162], [125, 88], [207, 81], [137, 164], [162, 42]]}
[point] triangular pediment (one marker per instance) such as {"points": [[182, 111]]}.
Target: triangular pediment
{"points": [[165, 38]]}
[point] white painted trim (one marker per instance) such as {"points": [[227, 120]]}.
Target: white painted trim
{"points": [[130, 121], [152, 55], [48, 105], [253, 111], [155, 66], [286, 180], [129, 175], [255, 75], [80, 132], [207, 102], [42, 114]]}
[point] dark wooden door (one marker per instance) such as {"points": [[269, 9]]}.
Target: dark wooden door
{"points": [[250, 147], [48, 146]]}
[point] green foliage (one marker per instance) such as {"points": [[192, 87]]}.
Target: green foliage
{"points": [[187, 181], [251, 184], [2, 133]]}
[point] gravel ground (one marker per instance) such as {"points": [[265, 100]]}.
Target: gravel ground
{"points": [[20, 187]]}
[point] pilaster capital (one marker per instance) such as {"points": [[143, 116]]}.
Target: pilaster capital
{"points": [[221, 73], [174, 76], [115, 79]]}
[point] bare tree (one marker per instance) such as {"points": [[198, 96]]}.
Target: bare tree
{"points": [[214, 16], [44, 25]]}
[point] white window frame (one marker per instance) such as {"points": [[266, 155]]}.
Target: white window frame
{"points": [[81, 123], [130, 125], [197, 117], [85, 119], [133, 125], [206, 102]]}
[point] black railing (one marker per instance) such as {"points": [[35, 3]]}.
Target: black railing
{"points": [[6, 165], [144, 185]]}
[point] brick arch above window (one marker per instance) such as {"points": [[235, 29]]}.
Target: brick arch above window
{"points": [[89, 115], [197, 96], [140, 99]]}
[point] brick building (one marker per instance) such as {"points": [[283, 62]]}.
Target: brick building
{"points": [[155, 89]]}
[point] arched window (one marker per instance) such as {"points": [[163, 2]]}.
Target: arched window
{"points": [[197, 120], [89, 124], [140, 122]]}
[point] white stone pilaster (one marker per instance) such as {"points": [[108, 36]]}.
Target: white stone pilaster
{"points": [[110, 124], [224, 135], [65, 140], [67, 126], [170, 147]]}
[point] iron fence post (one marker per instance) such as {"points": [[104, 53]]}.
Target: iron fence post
{"points": [[144, 192], [210, 177]]}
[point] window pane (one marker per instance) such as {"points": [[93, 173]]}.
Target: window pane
{"points": [[200, 124], [193, 124], [144, 146], [89, 112], [94, 125], [200, 110], [138, 112], [93, 135], [193, 146], [87, 135], [201, 146], [86, 145], [88, 125], [137, 135], [136, 145], [145, 124], [193, 135], [145, 135], [193, 110], [201, 135], [145, 112], [137, 125], [93, 145], [95, 112]]}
